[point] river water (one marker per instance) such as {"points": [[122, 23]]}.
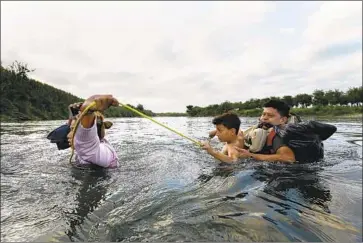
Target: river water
{"points": [[167, 189]]}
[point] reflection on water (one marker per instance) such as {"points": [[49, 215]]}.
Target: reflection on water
{"points": [[92, 190], [167, 189]]}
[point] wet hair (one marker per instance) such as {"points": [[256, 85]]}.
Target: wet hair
{"points": [[282, 108], [229, 120]]}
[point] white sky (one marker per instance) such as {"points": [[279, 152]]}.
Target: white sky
{"points": [[167, 55]]}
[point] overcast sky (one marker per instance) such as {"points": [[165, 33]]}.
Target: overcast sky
{"points": [[167, 55]]}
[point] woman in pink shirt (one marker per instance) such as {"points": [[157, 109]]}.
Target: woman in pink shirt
{"points": [[89, 143]]}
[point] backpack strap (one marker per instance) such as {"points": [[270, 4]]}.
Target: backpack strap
{"points": [[270, 139]]}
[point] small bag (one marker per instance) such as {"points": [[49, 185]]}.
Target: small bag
{"points": [[255, 138]]}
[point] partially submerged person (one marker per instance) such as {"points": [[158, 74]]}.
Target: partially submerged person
{"points": [[227, 127], [89, 139], [281, 136], [275, 116]]}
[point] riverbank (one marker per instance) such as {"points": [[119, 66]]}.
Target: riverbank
{"points": [[313, 112], [317, 111]]}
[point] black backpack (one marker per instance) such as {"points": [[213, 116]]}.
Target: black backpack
{"points": [[306, 139]]}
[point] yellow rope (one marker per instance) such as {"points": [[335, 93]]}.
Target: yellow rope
{"points": [[153, 120], [133, 110]]}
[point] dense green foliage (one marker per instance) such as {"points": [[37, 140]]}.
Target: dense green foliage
{"points": [[332, 102], [171, 114], [24, 99], [328, 110]]}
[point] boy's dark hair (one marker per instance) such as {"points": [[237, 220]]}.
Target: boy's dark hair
{"points": [[282, 108], [229, 120]]}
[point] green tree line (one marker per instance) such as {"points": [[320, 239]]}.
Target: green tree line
{"points": [[321, 102], [25, 99]]}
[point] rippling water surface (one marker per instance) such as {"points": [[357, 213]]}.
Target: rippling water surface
{"points": [[167, 189]]}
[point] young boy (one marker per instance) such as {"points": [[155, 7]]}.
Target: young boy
{"points": [[227, 128]]}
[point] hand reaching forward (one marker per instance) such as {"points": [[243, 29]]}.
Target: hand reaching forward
{"points": [[103, 102], [243, 153]]}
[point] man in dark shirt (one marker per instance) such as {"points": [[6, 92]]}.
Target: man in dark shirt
{"points": [[275, 113]]}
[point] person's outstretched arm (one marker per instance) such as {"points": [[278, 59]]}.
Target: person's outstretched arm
{"points": [[283, 154], [227, 158], [103, 102]]}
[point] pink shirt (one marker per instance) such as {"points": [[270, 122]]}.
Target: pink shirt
{"points": [[90, 150]]}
